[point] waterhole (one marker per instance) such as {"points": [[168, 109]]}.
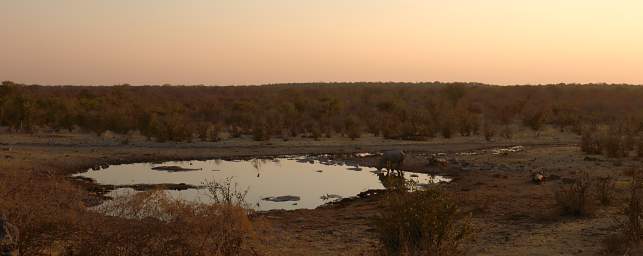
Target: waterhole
{"points": [[293, 182]]}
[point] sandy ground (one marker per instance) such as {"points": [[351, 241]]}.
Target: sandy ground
{"points": [[512, 215]]}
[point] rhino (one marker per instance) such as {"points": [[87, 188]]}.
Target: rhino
{"points": [[8, 238], [391, 160]]}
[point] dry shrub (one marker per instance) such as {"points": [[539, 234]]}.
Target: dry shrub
{"points": [[506, 132], [633, 229], [44, 208], [353, 127], [261, 133], [51, 219], [574, 199], [590, 143], [605, 189], [615, 244], [640, 147], [228, 193], [489, 131], [152, 223], [422, 223], [614, 145]]}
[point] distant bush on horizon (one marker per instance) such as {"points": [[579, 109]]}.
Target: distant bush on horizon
{"points": [[412, 111]]}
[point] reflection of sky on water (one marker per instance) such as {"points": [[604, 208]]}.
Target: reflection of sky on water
{"points": [[296, 176]]}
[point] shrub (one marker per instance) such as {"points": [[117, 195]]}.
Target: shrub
{"points": [[153, 223], [260, 133], [605, 189], [574, 199], [506, 132], [614, 146], [489, 131], [352, 127], [640, 147], [633, 229], [590, 144], [49, 214], [44, 208], [422, 223], [615, 244]]}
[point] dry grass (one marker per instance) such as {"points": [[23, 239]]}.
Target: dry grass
{"points": [[51, 219], [151, 223], [45, 209]]}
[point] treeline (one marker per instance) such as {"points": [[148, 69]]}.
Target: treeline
{"points": [[413, 111]]}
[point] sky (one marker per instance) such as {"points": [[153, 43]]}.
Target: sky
{"points": [[234, 42]]}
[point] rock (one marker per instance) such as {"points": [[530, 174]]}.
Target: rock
{"points": [[165, 186], [364, 154], [330, 196], [281, 198], [538, 178], [355, 168], [173, 169]]}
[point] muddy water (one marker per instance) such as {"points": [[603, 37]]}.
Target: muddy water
{"points": [[310, 180]]}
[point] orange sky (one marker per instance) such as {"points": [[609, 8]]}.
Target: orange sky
{"points": [[272, 41]]}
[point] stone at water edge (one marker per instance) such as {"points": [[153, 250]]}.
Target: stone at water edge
{"points": [[281, 198], [173, 169]]}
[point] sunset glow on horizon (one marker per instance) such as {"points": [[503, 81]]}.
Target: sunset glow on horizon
{"points": [[212, 42]]}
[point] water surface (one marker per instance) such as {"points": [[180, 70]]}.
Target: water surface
{"points": [[313, 181]]}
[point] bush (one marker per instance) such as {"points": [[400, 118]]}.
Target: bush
{"points": [[633, 229], [352, 127], [506, 132], [43, 207], [152, 223], [590, 144], [614, 145], [422, 223], [605, 189], [49, 214], [489, 131], [615, 244], [260, 133], [574, 199]]}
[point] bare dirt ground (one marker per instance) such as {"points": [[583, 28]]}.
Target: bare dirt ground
{"points": [[512, 215]]}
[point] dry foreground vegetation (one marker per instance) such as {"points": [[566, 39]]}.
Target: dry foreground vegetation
{"points": [[583, 142]]}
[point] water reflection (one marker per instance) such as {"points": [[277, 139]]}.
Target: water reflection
{"points": [[282, 180]]}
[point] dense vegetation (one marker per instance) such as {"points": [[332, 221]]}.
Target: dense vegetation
{"points": [[392, 110]]}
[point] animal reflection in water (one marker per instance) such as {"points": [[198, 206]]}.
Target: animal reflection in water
{"points": [[391, 160]]}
